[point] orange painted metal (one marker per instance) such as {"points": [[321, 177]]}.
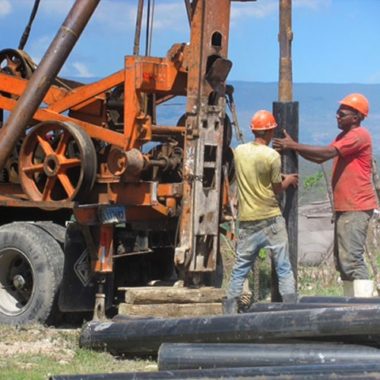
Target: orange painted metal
{"points": [[182, 72], [156, 75], [208, 43], [104, 262], [77, 98], [145, 75], [162, 130], [16, 86], [159, 202], [43, 77], [94, 131], [143, 193]]}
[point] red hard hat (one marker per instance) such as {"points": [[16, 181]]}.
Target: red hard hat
{"points": [[263, 120], [358, 102]]}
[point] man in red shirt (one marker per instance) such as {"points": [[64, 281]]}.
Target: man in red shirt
{"points": [[354, 194]]}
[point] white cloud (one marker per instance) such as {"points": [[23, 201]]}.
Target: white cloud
{"points": [[170, 16], [56, 7], [256, 10], [5, 7], [269, 7], [115, 16], [312, 4], [121, 16], [81, 70], [110, 16]]}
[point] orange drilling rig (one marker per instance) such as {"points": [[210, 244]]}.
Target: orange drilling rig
{"points": [[95, 194]]}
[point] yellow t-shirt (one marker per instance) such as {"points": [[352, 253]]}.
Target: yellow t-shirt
{"points": [[257, 167]]}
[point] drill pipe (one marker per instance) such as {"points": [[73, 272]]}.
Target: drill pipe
{"points": [[226, 355], [44, 75], [144, 336], [337, 300], [306, 372]]}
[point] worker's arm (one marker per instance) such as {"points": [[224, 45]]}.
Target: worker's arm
{"points": [[288, 180], [312, 153]]}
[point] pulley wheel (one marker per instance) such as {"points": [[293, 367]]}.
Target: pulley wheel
{"points": [[57, 162], [17, 63]]}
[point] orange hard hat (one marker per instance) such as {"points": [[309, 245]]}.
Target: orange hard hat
{"points": [[263, 120], [358, 102]]}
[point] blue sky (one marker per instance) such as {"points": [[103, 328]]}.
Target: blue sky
{"points": [[335, 41]]}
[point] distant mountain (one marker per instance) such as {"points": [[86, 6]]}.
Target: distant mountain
{"points": [[317, 106]]}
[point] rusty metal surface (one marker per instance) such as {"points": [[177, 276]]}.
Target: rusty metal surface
{"points": [[136, 45], [57, 161], [42, 78], [199, 230], [285, 37]]}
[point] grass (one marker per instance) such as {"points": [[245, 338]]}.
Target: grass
{"points": [[35, 353], [31, 367], [321, 281]]}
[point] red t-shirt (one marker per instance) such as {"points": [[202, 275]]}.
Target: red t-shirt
{"points": [[352, 172]]}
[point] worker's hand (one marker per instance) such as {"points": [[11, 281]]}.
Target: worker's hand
{"points": [[290, 180], [284, 143]]}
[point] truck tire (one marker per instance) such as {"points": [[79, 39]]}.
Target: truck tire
{"points": [[29, 273], [57, 232]]}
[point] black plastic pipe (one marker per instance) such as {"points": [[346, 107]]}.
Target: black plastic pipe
{"points": [[350, 300], [144, 336], [307, 372], [223, 355], [280, 306]]}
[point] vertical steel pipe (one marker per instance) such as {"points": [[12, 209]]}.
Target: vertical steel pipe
{"points": [[136, 45], [42, 78], [285, 37], [286, 114]]}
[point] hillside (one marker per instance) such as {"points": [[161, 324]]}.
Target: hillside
{"points": [[317, 106]]}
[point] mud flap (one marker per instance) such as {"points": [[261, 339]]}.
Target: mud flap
{"points": [[79, 286]]}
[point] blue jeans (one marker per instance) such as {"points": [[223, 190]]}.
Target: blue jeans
{"points": [[268, 233]]}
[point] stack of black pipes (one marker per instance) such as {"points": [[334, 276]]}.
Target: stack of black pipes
{"points": [[316, 338]]}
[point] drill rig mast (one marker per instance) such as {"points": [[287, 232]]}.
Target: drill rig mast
{"points": [[79, 155]]}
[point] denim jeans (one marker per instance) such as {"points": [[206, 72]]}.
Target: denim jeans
{"points": [[268, 233], [350, 238]]}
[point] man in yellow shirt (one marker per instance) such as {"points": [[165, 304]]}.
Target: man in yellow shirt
{"points": [[261, 225]]}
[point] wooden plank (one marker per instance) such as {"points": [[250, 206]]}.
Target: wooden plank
{"points": [[170, 310], [161, 294]]}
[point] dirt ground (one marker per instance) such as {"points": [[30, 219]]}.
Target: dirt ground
{"points": [[56, 344], [37, 353]]}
